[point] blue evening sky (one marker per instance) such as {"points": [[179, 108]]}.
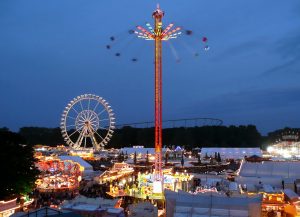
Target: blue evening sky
{"points": [[54, 50]]}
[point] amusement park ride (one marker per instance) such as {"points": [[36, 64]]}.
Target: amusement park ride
{"points": [[87, 121], [190, 44], [158, 34]]}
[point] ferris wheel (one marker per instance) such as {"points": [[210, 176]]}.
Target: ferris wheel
{"points": [[87, 121]]}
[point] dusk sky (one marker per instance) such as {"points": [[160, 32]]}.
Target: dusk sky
{"points": [[54, 50]]}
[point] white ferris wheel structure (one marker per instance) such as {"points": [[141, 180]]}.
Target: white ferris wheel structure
{"points": [[87, 122]]}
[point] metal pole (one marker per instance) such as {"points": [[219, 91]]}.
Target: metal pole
{"points": [[157, 15]]}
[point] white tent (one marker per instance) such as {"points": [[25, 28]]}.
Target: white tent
{"points": [[93, 206], [185, 204], [87, 168], [145, 209], [231, 153], [278, 169], [268, 172], [140, 150]]}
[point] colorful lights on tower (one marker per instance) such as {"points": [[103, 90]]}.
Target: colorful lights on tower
{"points": [[158, 34]]}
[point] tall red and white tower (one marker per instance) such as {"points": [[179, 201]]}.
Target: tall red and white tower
{"points": [[158, 34], [158, 176]]}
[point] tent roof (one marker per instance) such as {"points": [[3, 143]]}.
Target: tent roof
{"points": [[236, 153], [46, 211], [77, 159], [130, 150], [281, 169], [210, 200]]}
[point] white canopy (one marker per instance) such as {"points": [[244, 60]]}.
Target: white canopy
{"points": [[231, 153], [139, 150], [87, 167], [279, 169], [211, 204]]}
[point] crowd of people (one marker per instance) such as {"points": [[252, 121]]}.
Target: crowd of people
{"points": [[102, 164], [93, 189], [51, 199]]}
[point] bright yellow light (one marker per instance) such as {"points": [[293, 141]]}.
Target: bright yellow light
{"points": [[157, 187], [270, 149]]}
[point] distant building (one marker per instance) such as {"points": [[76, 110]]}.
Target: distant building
{"points": [[8, 207]]}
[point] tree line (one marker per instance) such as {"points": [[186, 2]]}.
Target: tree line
{"points": [[205, 136], [190, 137], [17, 161], [17, 165]]}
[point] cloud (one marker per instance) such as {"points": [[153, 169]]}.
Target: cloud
{"points": [[287, 67], [249, 101], [288, 49], [268, 109], [240, 49]]}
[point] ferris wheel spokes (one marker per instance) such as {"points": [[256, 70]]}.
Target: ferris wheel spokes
{"points": [[103, 128], [81, 105], [89, 104], [75, 110], [84, 142], [72, 125], [74, 133], [98, 135], [96, 106], [101, 112], [104, 119]]}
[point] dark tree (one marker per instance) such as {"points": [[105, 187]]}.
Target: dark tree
{"points": [[219, 157], [166, 158], [182, 160], [216, 155], [121, 157], [199, 159], [41, 135], [206, 136], [17, 165], [147, 158], [4, 129], [134, 158]]}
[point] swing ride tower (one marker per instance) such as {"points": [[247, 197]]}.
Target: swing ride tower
{"points": [[158, 34], [158, 176]]}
